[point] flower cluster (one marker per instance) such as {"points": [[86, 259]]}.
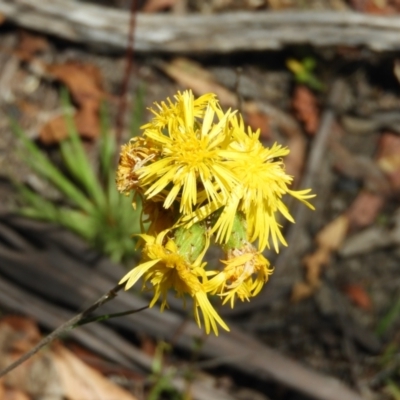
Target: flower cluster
{"points": [[203, 177]]}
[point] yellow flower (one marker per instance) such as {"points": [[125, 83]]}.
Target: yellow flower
{"points": [[190, 168], [194, 162], [172, 112], [164, 268], [258, 195], [134, 155], [245, 273]]}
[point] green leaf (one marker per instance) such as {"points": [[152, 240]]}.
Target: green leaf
{"points": [[389, 319], [42, 165], [43, 209], [107, 146], [76, 158]]}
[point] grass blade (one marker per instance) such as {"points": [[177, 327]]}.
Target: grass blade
{"points": [[42, 165], [76, 158]]}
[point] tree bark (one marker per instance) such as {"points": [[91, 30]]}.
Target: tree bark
{"points": [[107, 28]]}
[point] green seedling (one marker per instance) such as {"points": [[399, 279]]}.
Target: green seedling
{"points": [[93, 208], [303, 72]]}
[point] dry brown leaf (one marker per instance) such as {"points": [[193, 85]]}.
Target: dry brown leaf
{"points": [[82, 382], [373, 6], [157, 5], [358, 295], [54, 372], [258, 120], [364, 209], [396, 70], [53, 131], [313, 263], [294, 161], [388, 158], [190, 74], [7, 393], [328, 240], [34, 376], [280, 4], [148, 345], [305, 108], [359, 167], [84, 81], [301, 291], [85, 84], [333, 234], [86, 122], [29, 45], [17, 336]]}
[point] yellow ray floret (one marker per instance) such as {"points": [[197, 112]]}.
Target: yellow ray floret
{"points": [[163, 268], [245, 273], [190, 168], [262, 184]]}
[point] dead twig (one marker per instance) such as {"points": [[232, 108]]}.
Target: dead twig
{"points": [[128, 71], [64, 328]]}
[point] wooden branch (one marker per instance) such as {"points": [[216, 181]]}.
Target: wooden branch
{"points": [[76, 283], [107, 28]]}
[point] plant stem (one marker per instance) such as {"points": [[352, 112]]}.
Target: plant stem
{"points": [[77, 320]]}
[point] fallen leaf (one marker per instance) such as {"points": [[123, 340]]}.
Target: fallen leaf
{"points": [[294, 161], [258, 120], [87, 120], [358, 295], [381, 7], [280, 4], [388, 158], [332, 235], [192, 75], [157, 5], [359, 167], [301, 291], [85, 84], [30, 45], [148, 346], [328, 240], [7, 393], [17, 336], [396, 70], [54, 131], [305, 108], [84, 81], [313, 264], [54, 373], [79, 381], [364, 209]]}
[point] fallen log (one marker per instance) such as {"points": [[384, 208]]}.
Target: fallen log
{"points": [[58, 273], [107, 28]]}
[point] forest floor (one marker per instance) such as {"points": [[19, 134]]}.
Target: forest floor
{"points": [[333, 302]]}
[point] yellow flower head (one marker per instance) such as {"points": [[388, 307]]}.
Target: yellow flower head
{"points": [[245, 273], [190, 168], [164, 268], [196, 163], [134, 155], [262, 184]]}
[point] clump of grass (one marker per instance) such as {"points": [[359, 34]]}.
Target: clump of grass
{"points": [[93, 208]]}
